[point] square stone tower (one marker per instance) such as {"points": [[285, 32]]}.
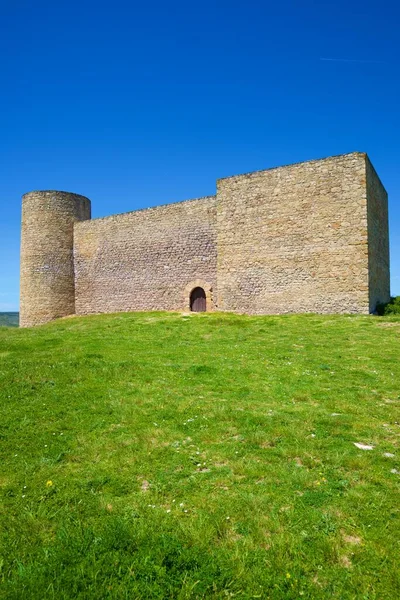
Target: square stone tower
{"points": [[308, 237]]}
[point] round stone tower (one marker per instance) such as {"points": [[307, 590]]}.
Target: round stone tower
{"points": [[47, 254]]}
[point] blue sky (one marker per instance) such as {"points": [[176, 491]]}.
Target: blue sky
{"points": [[137, 104]]}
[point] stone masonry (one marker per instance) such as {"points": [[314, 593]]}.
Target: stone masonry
{"points": [[47, 265], [308, 237], [144, 260]]}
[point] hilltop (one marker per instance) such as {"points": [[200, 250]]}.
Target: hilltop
{"points": [[157, 455]]}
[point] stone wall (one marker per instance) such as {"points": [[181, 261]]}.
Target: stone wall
{"points": [[308, 237], [148, 259], [47, 268], [294, 239], [378, 239]]}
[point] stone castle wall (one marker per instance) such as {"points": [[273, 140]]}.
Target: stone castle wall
{"points": [[294, 239], [147, 259], [308, 237], [378, 239]]}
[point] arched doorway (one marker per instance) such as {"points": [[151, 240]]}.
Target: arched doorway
{"points": [[198, 300]]}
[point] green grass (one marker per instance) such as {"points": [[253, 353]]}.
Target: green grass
{"points": [[157, 455]]}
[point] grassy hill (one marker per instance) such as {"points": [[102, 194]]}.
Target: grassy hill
{"points": [[9, 319], [202, 456]]}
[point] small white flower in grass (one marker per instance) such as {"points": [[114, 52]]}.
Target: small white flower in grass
{"points": [[395, 471], [228, 518], [363, 446], [181, 504], [169, 510], [199, 464], [23, 495], [185, 511], [313, 435], [388, 455]]}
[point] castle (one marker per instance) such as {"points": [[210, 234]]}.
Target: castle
{"points": [[308, 237]]}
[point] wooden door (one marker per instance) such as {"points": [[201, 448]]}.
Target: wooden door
{"points": [[198, 300]]}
